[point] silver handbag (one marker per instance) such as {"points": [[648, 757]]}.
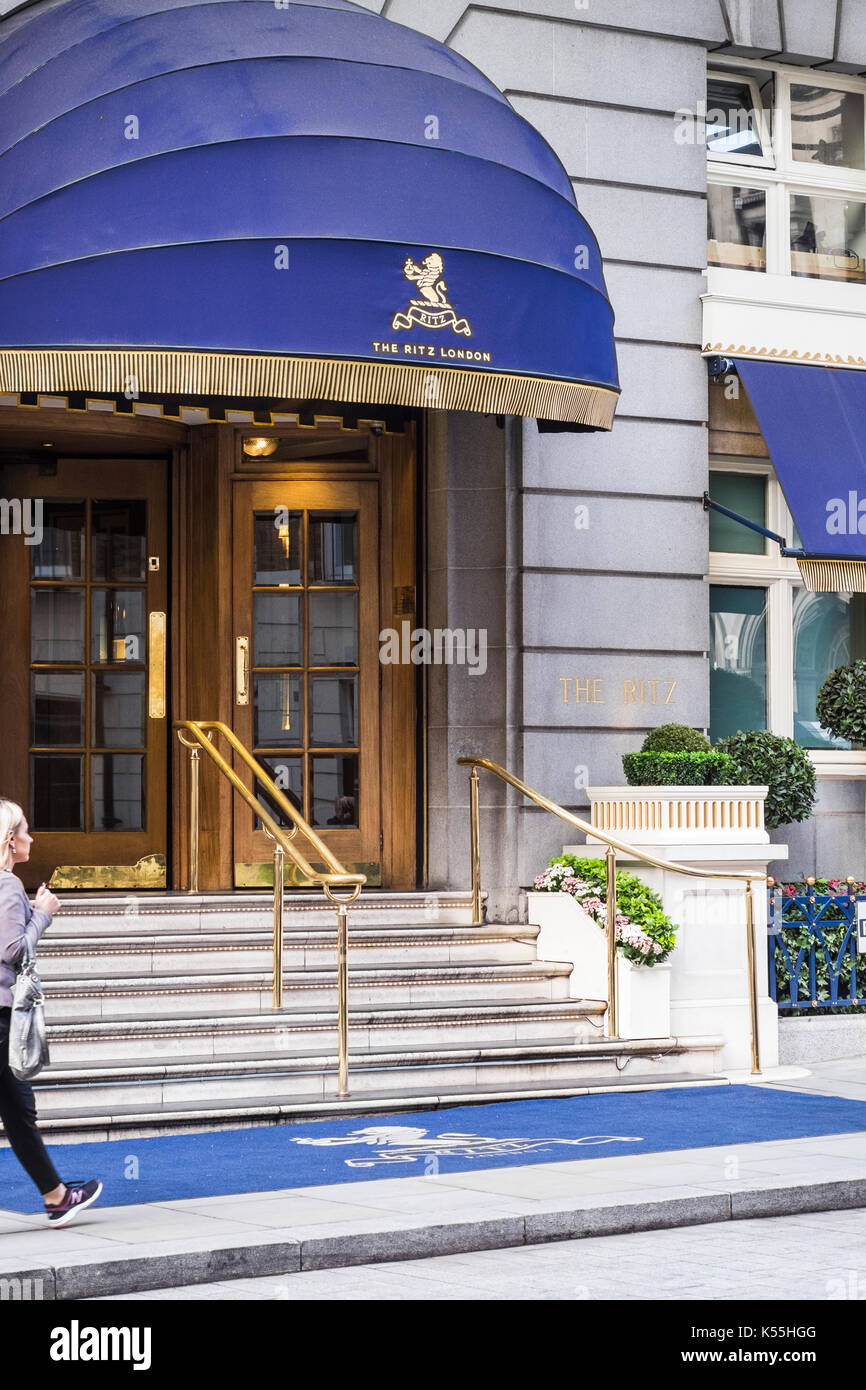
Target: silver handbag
{"points": [[28, 1044]]}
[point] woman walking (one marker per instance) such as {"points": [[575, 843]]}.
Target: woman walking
{"points": [[63, 1201]]}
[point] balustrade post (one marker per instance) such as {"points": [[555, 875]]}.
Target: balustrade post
{"points": [[753, 979], [475, 836], [279, 893], [612, 1002], [342, 1001]]}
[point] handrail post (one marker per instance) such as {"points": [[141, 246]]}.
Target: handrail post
{"points": [[753, 978], [475, 837], [612, 1002], [342, 1001], [279, 892], [194, 773]]}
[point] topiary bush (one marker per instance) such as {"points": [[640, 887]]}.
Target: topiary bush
{"points": [[709, 769], [675, 738], [841, 704], [782, 766]]}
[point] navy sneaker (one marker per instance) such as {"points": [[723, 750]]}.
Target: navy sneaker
{"points": [[78, 1196]]}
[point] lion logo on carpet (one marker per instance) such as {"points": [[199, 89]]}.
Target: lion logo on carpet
{"points": [[408, 1144]]}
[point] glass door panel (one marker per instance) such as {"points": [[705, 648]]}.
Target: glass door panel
{"points": [[306, 590], [94, 785]]}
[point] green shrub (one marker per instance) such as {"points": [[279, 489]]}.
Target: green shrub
{"points": [[841, 705], [675, 738], [780, 764], [711, 769], [645, 935]]}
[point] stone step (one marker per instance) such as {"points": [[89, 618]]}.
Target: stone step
{"points": [[67, 1091], [150, 996], [175, 1036], [139, 953], [96, 914], [183, 1116]]}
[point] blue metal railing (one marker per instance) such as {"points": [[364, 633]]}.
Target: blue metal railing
{"points": [[813, 950]]}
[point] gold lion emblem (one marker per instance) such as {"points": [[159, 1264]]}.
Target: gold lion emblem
{"points": [[431, 309]]}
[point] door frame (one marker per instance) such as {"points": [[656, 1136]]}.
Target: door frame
{"points": [[358, 846], [205, 670], [146, 852]]}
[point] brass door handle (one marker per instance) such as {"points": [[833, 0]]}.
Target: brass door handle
{"points": [[242, 671], [156, 671]]}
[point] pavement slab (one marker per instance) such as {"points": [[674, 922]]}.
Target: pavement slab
{"points": [[695, 1198]]}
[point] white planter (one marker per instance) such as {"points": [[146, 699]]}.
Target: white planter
{"points": [[725, 815], [570, 934], [719, 830]]}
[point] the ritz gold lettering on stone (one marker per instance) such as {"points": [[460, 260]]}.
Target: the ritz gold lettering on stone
{"points": [[590, 690], [428, 350]]}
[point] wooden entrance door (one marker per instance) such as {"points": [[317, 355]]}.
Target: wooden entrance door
{"points": [[306, 589], [83, 690]]}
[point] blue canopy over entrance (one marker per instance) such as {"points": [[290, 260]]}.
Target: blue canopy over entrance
{"points": [[240, 197]]}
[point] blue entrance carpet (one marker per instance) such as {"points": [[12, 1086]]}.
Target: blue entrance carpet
{"points": [[271, 1158]]}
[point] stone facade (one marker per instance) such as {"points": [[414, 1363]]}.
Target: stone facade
{"points": [[586, 556]]}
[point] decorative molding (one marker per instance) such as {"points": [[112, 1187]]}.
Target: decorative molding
{"points": [[729, 814], [783, 354], [838, 763]]}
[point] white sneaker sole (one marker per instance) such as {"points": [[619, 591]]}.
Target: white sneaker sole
{"points": [[70, 1215]]}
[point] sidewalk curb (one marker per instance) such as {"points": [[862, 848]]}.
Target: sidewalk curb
{"points": [[173, 1264]]}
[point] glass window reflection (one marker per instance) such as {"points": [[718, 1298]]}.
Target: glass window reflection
{"points": [[828, 238], [738, 660], [333, 548], [736, 227], [827, 126]]}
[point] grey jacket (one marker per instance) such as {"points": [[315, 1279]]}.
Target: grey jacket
{"points": [[17, 920]]}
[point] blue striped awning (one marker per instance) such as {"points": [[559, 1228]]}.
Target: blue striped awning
{"points": [[814, 422], [299, 199]]}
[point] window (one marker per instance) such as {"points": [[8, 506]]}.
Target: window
{"points": [[735, 124], [772, 643], [827, 126], [787, 173], [746, 494], [738, 659], [737, 227]]}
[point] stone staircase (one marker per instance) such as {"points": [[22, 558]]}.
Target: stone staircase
{"points": [[160, 1015]]}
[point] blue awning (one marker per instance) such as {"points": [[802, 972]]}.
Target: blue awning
{"points": [[814, 422], [235, 197]]}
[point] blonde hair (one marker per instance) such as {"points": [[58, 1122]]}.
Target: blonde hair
{"points": [[11, 817]]}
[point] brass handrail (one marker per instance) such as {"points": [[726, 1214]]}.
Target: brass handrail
{"points": [[335, 876], [613, 844]]}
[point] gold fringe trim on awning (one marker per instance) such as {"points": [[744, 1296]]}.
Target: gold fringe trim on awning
{"points": [[130, 372], [833, 576]]}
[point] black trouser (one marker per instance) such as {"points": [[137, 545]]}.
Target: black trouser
{"points": [[18, 1113]]}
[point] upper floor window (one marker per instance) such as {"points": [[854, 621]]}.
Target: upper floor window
{"points": [[787, 173], [735, 124], [772, 643]]}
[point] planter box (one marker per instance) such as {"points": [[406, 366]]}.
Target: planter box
{"points": [[570, 934], [641, 815], [719, 830]]}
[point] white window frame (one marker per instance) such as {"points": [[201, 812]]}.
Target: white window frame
{"points": [[780, 576], [782, 175], [764, 134]]}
